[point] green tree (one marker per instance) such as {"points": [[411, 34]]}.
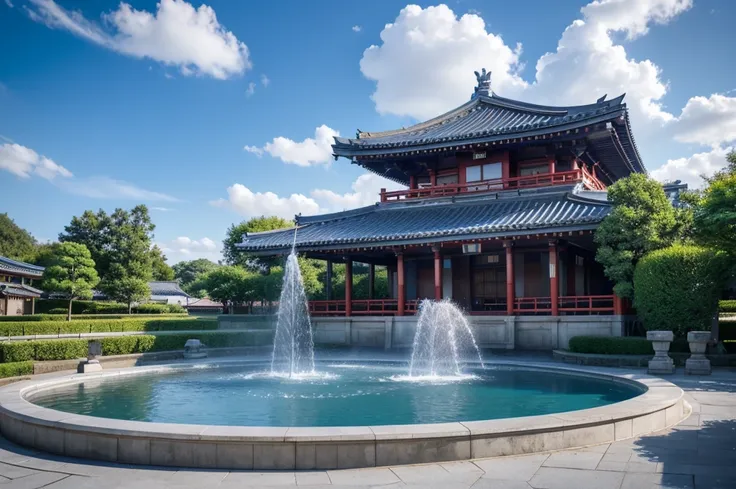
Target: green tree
{"points": [[15, 242], [187, 272], [715, 212], [72, 273], [642, 220], [92, 230], [127, 284], [230, 284], [235, 233], [160, 270]]}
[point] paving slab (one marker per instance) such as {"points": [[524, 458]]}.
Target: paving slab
{"points": [[520, 468], [366, 477], [35, 481], [317, 478], [554, 478], [657, 481], [258, 479], [576, 459]]}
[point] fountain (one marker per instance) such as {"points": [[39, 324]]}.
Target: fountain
{"points": [[442, 341], [293, 346]]}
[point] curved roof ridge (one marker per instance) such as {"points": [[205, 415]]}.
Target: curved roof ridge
{"points": [[303, 220], [271, 231], [518, 104], [17, 263]]}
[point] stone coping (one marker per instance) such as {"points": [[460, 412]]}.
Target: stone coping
{"points": [[245, 447]]}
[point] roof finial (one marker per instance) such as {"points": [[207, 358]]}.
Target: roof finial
{"points": [[484, 84]]}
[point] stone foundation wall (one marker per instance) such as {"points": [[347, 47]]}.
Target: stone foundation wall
{"points": [[496, 332]]}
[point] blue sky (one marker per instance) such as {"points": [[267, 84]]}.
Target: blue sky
{"points": [[210, 115]]}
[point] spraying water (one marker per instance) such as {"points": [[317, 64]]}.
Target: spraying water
{"points": [[293, 346], [442, 340]]}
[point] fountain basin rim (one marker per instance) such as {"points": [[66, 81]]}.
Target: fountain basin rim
{"points": [[659, 396]]}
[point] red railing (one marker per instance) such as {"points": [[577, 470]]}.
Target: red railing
{"points": [[538, 180], [522, 305]]}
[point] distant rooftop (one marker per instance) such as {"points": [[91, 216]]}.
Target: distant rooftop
{"points": [[14, 267]]}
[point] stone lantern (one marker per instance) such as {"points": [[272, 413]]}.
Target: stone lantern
{"points": [[661, 363], [698, 364], [92, 364]]}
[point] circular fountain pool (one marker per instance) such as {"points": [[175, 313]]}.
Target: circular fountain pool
{"points": [[339, 395]]}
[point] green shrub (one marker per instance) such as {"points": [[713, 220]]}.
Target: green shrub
{"points": [[677, 288], [62, 317], [58, 310], [175, 309], [16, 351], [59, 306], [16, 369], [727, 306], [177, 323], [151, 309], [611, 345]]}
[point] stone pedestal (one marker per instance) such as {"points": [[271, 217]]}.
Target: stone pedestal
{"points": [[697, 364], [661, 364], [94, 350]]}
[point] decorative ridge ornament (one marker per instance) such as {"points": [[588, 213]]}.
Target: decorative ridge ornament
{"points": [[484, 84]]}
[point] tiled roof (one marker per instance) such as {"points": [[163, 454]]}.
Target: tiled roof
{"points": [[166, 288], [204, 303], [20, 268], [490, 118], [20, 290], [447, 219]]}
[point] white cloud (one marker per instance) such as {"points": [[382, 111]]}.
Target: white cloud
{"points": [[168, 76], [9, 3], [253, 204], [357, 28], [161, 209], [265, 81], [24, 162], [185, 248], [707, 120], [254, 149], [424, 65], [311, 151], [250, 90], [366, 189], [689, 170], [110, 188], [177, 34]]}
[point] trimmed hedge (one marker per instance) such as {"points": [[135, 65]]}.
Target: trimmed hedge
{"points": [[17, 351], [611, 345], [104, 307], [676, 289], [62, 317], [727, 306], [16, 369], [26, 328]]}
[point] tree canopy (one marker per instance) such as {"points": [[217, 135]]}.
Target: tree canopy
{"points": [[160, 270], [642, 220], [235, 234], [71, 273], [715, 212], [230, 283], [186, 272], [15, 242]]}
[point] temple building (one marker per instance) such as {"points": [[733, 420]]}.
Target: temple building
{"points": [[17, 296], [501, 202]]}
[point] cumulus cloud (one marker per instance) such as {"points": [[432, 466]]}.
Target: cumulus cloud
{"points": [[186, 248], [365, 191], [247, 203], [425, 62], [177, 34], [265, 81], [24, 163], [707, 120], [357, 28], [9, 3], [309, 152], [691, 170], [424, 65]]}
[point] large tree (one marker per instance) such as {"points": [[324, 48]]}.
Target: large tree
{"points": [[234, 235], [121, 246], [159, 268], [15, 242], [715, 211], [231, 284], [72, 273], [187, 272], [642, 220]]}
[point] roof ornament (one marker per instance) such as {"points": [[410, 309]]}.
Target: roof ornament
{"points": [[484, 84]]}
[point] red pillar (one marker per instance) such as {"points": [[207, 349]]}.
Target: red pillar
{"points": [[432, 178], [554, 282], [510, 284], [437, 273], [412, 182], [400, 280], [551, 164], [618, 305], [349, 288]]}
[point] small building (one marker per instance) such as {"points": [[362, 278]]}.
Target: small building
{"points": [[168, 292], [204, 306], [17, 295]]}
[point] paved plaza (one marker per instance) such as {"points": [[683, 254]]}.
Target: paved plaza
{"points": [[699, 453]]}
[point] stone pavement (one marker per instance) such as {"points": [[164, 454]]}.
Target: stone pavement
{"points": [[699, 453]]}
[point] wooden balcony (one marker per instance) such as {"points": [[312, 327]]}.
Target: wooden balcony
{"points": [[580, 175], [570, 305]]}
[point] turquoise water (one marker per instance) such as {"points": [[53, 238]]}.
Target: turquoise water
{"points": [[343, 395]]}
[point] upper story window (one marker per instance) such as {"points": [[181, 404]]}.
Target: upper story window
{"points": [[487, 171], [535, 169], [447, 179]]}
